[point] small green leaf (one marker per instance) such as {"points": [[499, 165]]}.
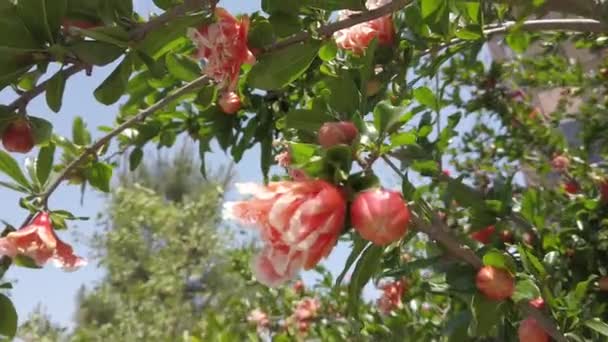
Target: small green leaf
{"points": [[426, 97], [9, 166], [387, 117], [80, 134], [42, 130], [278, 69], [135, 158], [44, 162], [306, 119], [54, 91], [486, 315], [428, 7], [358, 246], [525, 290], [99, 176], [328, 51], [182, 67], [25, 261], [8, 321], [499, 259], [597, 325], [113, 87], [95, 52], [404, 138], [518, 40], [368, 265]]}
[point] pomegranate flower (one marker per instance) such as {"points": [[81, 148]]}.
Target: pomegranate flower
{"points": [[223, 47], [299, 223], [485, 235], [259, 318], [307, 309], [39, 242], [357, 38], [380, 216], [392, 292]]}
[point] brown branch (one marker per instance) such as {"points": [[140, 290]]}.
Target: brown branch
{"points": [[26, 97], [330, 29], [438, 231]]}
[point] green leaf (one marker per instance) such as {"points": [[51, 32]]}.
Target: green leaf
{"points": [[135, 158], [96, 53], [428, 7], [182, 67], [278, 69], [9, 166], [525, 290], [387, 117], [358, 245], [54, 91], [367, 266], [8, 320], [25, 261], [328, 51], [42, 130], [44, 162], [426, 97], [34, 15], [80, 134], [404, 138], [425, 167], [301, 153], [99, 176], [499, 259], [341, 93], [597, 325], [113, 87], [486, 314], [308, 120], [518, 40]]}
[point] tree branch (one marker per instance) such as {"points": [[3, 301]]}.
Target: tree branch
{"points": [[95, 147], [26, 97], [438, 231], [330, 29]]}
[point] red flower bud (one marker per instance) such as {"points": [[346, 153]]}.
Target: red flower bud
{"points": [[604, 190], [485, 235], [298, 286], [530, 331], [336, 133], [528, 238], [538, 303], [603, 284], [380, 216], [230, 102], [495, 283], [18, 136], [81, 24], [506, 236], [560, 163], [571, 187]]}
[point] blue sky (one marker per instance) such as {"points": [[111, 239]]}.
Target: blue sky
{"points": [[55, 289]]}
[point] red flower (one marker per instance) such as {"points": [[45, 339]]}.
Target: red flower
{"points": [[283, 159], [299, 286], [336, 133], [380, 216], [307, 309], [223, 46], [392, 292], [18, 136], [571, 187], [357, 38], [530, 331], [299, 222], [485, 235], [495, 283], [538, 303], [39, 242], [230, 102]]}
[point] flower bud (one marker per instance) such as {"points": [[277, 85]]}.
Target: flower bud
{"points": [[495, 283], [380, 216], [485, 235], [572, 187], [18, 136], [560, 163], [336, 133], [230, 102], [530, 331]]}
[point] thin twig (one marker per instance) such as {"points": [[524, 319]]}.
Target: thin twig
{"points": [[437, 231], [94, 148], [27, 96]]}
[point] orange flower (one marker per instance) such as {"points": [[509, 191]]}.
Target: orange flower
{"points": [[357, 38], [299, 222], [39, 242], [223, 47]]}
